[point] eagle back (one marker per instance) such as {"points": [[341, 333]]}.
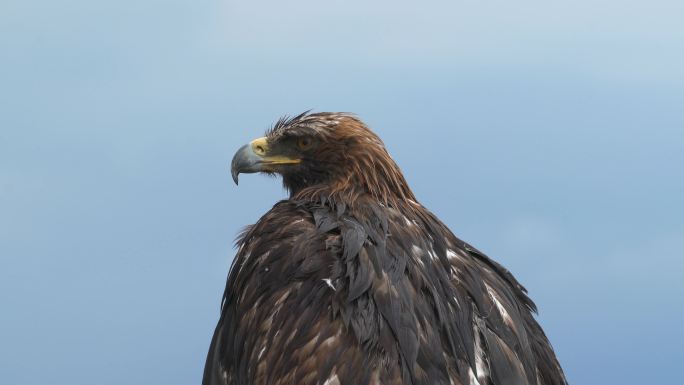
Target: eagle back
{"points": [[322, 293]]}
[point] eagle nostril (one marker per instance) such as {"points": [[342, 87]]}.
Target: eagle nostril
{"points": [[260, 150]]}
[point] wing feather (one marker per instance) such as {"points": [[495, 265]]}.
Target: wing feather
{"points": [[369, 294]]}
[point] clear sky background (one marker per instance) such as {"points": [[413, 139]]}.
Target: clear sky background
{"points": [[550, 134]]}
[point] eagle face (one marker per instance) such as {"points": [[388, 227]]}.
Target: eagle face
{"points": [[322, 153]]}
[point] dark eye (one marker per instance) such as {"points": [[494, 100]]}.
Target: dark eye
{"points": [[304, 143]]}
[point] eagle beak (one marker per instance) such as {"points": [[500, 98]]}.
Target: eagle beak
{"points": [[257, 156]]}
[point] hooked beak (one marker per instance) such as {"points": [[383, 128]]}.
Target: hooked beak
{"points": [[257, 156]]}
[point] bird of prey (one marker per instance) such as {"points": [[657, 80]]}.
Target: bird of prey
{"points": [[351, 281]]}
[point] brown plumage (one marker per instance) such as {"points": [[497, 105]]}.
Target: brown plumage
{"points": [[352, 281]]}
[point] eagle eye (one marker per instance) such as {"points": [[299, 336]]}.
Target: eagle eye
{"points": [[304, 143]]}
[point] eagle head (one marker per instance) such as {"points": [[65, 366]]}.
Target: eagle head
{"points": [[328, 156]]}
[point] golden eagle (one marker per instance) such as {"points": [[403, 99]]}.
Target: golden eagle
{"points": [[352, 281]]}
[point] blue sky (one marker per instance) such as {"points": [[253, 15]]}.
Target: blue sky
{"points": [[548, 134]]}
